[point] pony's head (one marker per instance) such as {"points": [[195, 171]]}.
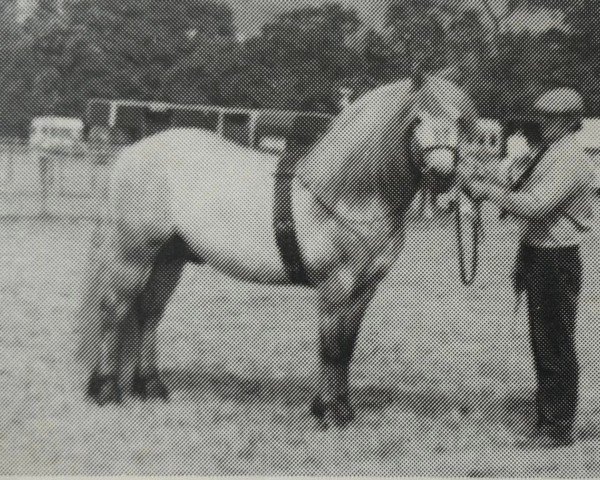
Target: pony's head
{"points": [[444, 115], [388, 139]]}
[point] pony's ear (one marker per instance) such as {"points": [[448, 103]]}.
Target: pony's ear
{"points": [[418, 78], [464, 125]]}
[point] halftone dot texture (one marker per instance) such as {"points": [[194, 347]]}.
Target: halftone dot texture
{"points": [[442, 379]]}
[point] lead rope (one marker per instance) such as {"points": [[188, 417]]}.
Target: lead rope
{"points": [[468, 277]]}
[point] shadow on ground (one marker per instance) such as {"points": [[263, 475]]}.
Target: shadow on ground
{"points": [[514, 410]]}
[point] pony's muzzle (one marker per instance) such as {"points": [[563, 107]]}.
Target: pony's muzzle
{"points": [[440, 162]]}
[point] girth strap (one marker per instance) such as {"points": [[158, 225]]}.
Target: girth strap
{"points": [[285, 230]]}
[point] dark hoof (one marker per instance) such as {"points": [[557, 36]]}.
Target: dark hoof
{"points": [[337, 413], [342, 412], [149, 388], [104, 389], [318, 408]]}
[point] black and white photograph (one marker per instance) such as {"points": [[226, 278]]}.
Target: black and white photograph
{"points": [[315, 238]]}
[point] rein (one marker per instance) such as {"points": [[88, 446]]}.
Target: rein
{"points": [[468, 277], [285, 233], [347, 223]]}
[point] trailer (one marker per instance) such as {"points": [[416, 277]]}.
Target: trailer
{"points": [[126, 121]]}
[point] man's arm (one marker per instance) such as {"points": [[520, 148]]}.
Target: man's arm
{"points": [[535, 202]]}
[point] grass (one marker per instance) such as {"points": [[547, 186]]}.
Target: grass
{"points": [[442, 378]]}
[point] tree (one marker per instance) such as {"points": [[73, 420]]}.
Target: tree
{"points": [[583, 17], [68, 53], [305, 53], [416, 30], [297, 62], [136, 42]]}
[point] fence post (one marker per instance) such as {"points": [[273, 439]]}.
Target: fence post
{"points": [[45, 185], [252, 134], [221, 123]]}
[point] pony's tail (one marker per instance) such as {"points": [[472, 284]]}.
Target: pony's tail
{"points": [[99, 288], [92, 315], [90, 312], [96, 283]]}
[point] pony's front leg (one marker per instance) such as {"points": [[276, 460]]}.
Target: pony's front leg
{"points": [[342, 307]]}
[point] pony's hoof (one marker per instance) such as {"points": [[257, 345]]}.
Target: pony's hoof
{"points": [[341, 412], [338, 413], [104, 390], [318, 409], [149, 388]]}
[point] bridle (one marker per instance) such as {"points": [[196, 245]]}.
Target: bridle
{"points": [[424, 150], [465, 240]]}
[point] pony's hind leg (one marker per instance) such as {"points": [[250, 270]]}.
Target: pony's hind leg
{"points": [[151, 305], [117, 276]]}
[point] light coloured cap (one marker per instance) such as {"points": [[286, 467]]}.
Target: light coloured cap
{"points": [[559, 101]]}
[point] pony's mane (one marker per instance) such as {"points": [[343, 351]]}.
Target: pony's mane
{"points": [[351, 156], [367, 141]]}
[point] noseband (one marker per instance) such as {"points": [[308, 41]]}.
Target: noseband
{"points": [[424, 150], [453, 150]]}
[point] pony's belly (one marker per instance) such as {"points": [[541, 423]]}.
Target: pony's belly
{"points": [[228, 223]]}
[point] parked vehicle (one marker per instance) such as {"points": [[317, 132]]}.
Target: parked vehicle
{"points": [[56, 134]]}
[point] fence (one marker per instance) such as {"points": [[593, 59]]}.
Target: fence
{"points": [[36, 183], [45, 185]]}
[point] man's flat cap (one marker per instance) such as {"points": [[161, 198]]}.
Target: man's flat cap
{"points": [[559, 101]]}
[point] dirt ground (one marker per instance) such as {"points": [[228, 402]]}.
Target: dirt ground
{"points": [[442, 379]]}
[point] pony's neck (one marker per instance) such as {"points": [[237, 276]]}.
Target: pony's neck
{"points": [[367, 180]]}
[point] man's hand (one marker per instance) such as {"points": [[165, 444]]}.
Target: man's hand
{"points": [[478, 189]]}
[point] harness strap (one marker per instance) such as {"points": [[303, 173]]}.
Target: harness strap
{"points": [[285, 231], [520, 182], [524, 178]]}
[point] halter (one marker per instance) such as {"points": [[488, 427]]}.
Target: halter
{"points": [[423, 150], [469, 225]]}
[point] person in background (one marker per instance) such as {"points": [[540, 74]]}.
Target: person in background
{"points": [[553, 201]]}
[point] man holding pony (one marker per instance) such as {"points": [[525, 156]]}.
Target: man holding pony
{"points": [[552, 199]]}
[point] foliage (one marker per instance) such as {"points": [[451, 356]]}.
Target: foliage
{"points": [[296, 62], [188, 51], [101, 48]]}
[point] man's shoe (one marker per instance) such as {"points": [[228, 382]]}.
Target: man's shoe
{"points": [[547, 437]]}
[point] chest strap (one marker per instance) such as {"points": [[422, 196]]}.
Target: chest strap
{"points": [[520, 182], [283, 219], [526, 175]]}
